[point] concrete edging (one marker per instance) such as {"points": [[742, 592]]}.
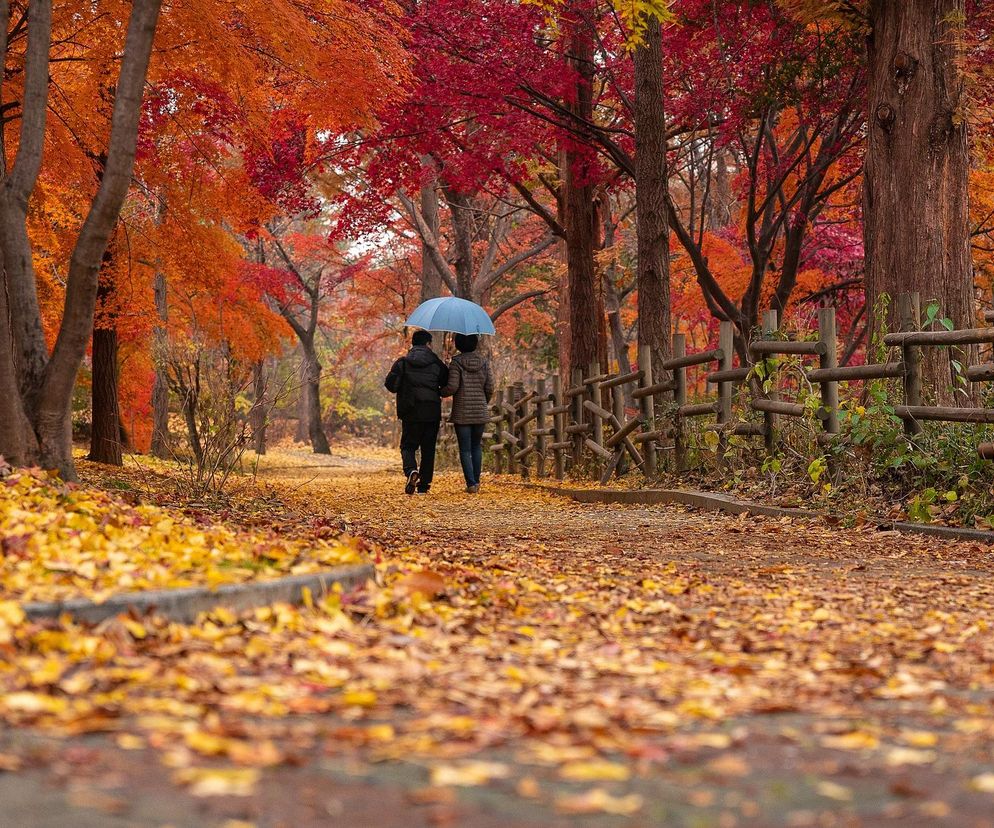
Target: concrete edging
{"points": [[716, 502], [185, 604]]}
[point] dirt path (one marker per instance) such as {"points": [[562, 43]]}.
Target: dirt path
{"points": [[530, 661]]}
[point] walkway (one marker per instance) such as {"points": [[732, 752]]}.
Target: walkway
{"points": [[645, 666]]}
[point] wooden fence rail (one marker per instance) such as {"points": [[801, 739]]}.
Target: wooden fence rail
{"points": [[549, 429]]}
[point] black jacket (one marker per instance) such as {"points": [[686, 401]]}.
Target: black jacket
{"points": [[417, 379]]}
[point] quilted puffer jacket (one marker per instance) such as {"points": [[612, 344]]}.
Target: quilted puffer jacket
{"points": [[471, 385]]}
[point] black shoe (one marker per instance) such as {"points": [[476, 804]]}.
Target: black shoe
{"points": [[412, 482]]}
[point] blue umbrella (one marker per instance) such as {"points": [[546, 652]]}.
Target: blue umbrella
{"points": [[448, 313]]}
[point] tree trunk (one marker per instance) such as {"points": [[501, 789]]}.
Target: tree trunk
{"points": [[160, 387], [652, 224], [916, 213], [17, 440], [52, 414], [722, 205], [105, 427], [563, 339], [302, 432], [463, 228], [191, 399], [258, 413], [29, 350], [579, 215], [431, 279], [312, 384]]}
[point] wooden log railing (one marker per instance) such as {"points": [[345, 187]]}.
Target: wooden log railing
{"points": [[553, 429]]}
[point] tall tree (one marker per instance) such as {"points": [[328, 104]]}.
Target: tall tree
{"points": [[651, 194], [299, 299], [106, 434], [43, 384], [579, 212], [916, 203]]}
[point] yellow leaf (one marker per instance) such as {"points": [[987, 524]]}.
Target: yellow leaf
{"points": [[919, 738], [359, 698], [219, 781], [598, 801], [832, 790], [595, 770], [909, 756], [855, 740], [206, 744], [468, 774], [137, 630], [984, 783]]}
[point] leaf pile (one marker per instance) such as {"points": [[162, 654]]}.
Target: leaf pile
{"points": [[566, 654], [62, 541]]}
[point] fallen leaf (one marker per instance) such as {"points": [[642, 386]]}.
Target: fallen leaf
{"points": [[599, 801], [219, 781], [468, 774], [832, 790], [594, 771]]}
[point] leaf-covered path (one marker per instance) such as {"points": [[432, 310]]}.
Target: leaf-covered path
{"points": [[526, 660]]}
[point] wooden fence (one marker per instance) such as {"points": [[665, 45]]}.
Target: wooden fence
{"points": [[550, 429]]}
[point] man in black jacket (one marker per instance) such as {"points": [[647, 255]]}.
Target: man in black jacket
{"points": [[416, 379]]}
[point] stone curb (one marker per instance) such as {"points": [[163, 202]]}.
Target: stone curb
{"points": [[185, 604], [715, 502]]}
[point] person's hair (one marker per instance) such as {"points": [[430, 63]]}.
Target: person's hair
{"points": [[466, 344], [420, 338]]}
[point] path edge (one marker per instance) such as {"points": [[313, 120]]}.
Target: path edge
{"points": [[185, 604], [716, 502]]}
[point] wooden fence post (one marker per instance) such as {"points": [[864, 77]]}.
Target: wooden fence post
{"points": [[559, 427], [829, 359], [647, 406], [520, 431], [540, 441], [679, 400], [594, 395], [726, 344], [498, 424], [512, 445], [576, 381], [909, 313], [618, 409], [770, 325]]}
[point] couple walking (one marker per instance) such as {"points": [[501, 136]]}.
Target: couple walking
{"points": [[420, 380]]}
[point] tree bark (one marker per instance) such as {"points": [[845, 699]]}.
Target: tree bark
{"points": [[579, 214], [258, 413], [722, 205], [312, 384], [17, 440], [29, 351], [463, 227], [105, 424], [652, 224], [301, 433], [55, 399], [191, 399], [160, 388], [431, 279], [916, 212]]}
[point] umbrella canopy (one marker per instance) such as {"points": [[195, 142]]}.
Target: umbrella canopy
{"points": [[448, 313]]}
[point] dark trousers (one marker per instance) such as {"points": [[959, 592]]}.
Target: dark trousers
{"points": [[423, 436], [470, 439]]}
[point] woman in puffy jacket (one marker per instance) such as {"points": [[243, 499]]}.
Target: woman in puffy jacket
{"points": [[471, 385]]}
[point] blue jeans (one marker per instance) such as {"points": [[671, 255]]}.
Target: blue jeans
{"points": [[470, 439]]}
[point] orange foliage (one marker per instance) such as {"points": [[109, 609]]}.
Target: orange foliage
{"points": [[245, 100]]}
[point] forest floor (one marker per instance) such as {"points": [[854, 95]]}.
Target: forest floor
{"points": [[521, 660]]}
